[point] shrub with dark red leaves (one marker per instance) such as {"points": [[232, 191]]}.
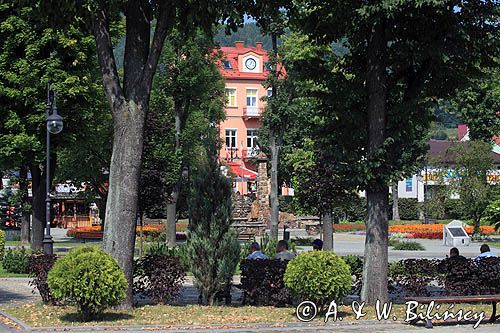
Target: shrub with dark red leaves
{"points": [[158, 277], [39, 266], [472, 276], [451, 276], [262, 282]]}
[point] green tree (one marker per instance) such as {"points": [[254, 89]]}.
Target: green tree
{"points": [[472, 163], [479, 105], [401, 54], [32, 53], [187, 98], [212, 246], [147, 23]]}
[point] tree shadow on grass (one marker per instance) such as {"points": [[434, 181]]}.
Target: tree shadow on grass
{"points": [[107, 317]]}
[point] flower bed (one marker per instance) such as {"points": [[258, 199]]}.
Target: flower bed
{"points": [[151, 230], [431, 231], [348, 227]]}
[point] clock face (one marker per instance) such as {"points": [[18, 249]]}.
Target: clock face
{"points": [[250, 64]]}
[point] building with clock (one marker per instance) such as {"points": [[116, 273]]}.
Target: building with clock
{"points": [[244, 69]]}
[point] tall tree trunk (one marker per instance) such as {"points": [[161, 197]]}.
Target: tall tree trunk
{"points": [[174, 195], [273, 196], [376, 257], [121, 208], [395, 202], [38, 207], [128, 104], [275, 139], [172, 217], [25, 214], [376, 251], [327, 221]]}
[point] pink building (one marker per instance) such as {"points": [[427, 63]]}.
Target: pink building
{"points": [[245, 69]]}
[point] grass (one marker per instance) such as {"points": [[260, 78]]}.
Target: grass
{"points": [[497, 245], [4, 274], [37, 315]]}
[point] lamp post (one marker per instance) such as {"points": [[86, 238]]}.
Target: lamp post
{"points": [[54, 124]]}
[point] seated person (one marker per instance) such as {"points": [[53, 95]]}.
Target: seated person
{"points": [[317, 244], [486, 252], [255, 252], [282, 252], [454, 253]]}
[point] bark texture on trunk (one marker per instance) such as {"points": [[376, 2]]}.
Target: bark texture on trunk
{"points": [[121, 208], [129, 105], [273, 196], [395, 202], [25, 217], [38, 207], [327, 221], [375, 258], [376, 252], [172, 218]]}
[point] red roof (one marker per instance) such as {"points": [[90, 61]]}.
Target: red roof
{"points": [[231, 54]]}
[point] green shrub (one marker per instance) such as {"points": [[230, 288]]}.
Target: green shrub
{"points": [[2, 244], [16, 260], [409, 246], [89, 278], [393, 242], [318, 276], [355, 264]]}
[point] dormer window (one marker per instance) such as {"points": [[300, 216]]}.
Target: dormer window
{"points": [[251, 64], [268, 67], [226, 64]]}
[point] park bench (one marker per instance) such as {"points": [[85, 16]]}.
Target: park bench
{"points": [[88, 235], [493, 299]]}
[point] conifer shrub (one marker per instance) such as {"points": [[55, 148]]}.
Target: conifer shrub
{"points": [[319, 277], [212, 249], [89, 278]]}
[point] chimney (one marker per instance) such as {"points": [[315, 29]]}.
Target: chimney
{"points": [[258, 45], [239, 44]]}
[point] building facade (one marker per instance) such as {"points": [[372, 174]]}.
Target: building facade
{"points": [[244, 69]]}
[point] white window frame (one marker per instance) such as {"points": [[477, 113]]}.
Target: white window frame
{"points": [[253, 138], [252, 109], [235, 138], [269, 92], [235, 96]]}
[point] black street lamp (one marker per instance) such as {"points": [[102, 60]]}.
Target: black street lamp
{"points": [[54, 126]]}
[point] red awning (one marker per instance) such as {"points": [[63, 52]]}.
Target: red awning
{"points": [[242, 173]]}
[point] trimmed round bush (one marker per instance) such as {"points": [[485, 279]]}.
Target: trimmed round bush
{"points": [[318, 276], [89, 278]]}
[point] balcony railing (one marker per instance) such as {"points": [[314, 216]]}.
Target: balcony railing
{"points": [[251, 152], [251, 111]]}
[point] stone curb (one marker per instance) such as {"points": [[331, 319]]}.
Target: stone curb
{"points": [[22, 324], [234, 327]]}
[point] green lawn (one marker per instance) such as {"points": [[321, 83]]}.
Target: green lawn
{"points": [[37, 315]]}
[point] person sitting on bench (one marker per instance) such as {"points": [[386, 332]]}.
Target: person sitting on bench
{"points": [[317, 244], [282, 252], [255, 252], [486, 252], [455, 254]]}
